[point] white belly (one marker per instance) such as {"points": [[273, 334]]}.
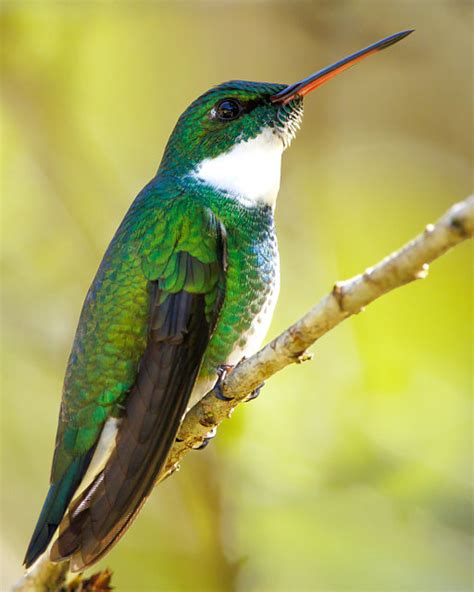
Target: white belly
{"points": [[254, 339]]}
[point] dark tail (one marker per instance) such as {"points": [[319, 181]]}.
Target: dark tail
{"points": [[54, 507]]}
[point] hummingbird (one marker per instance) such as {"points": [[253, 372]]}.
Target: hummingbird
{"points": [[188, 284]]}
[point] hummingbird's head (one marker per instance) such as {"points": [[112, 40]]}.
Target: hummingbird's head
{"points": [[233, 113], [232, 137]]}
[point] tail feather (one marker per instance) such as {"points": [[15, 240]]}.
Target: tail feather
{"points": [[55, 506]]}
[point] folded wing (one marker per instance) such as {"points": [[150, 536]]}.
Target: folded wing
{"points": [[187, 291]]}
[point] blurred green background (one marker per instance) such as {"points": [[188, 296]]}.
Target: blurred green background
{"points": [[351, 472]]}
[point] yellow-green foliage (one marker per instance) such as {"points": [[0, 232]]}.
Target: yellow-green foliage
{"points": [[350, 472]]}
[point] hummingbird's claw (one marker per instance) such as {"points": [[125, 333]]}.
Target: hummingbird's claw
{"points": [[219, 394], [222, 372], [209, 436], [204, 444], [255, 393]]}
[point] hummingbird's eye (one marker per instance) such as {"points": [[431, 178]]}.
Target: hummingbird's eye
{"points": [[227, 109]]}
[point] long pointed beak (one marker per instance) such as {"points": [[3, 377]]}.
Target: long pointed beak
{"points": [[305, 86]]}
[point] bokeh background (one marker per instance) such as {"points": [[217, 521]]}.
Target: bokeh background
{"points": [[351, 472]]}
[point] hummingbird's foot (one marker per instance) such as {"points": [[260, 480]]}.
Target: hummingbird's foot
{"points": [[222, 372], [209, 436], [255, 393]]}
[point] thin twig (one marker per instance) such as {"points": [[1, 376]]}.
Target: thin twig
{"points": [[44, 576]]}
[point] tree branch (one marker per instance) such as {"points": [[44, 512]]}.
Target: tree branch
{"points": [[345, 299], [44, 576]]}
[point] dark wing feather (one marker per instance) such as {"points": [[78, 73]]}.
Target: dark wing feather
{"points": [[180, 329]]}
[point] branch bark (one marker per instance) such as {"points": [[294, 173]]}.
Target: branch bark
{"points": [[345, 299], [44, 576]]}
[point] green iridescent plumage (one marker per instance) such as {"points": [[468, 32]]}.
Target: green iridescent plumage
{"points": [[187, 284], [112, 331], [111, 337], [180, 236]]}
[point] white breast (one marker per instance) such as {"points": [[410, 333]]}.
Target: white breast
{"points": [[249, 171], [254, 339], [259, 328]]}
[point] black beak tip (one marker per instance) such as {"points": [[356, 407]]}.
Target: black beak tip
{"points": [[396, 37], [326, 73]]}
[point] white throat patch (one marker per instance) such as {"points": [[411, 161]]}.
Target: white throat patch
{"points": [[250, 170]]}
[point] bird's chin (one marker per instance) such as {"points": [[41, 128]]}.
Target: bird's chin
{"points": [[288, 121]]}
